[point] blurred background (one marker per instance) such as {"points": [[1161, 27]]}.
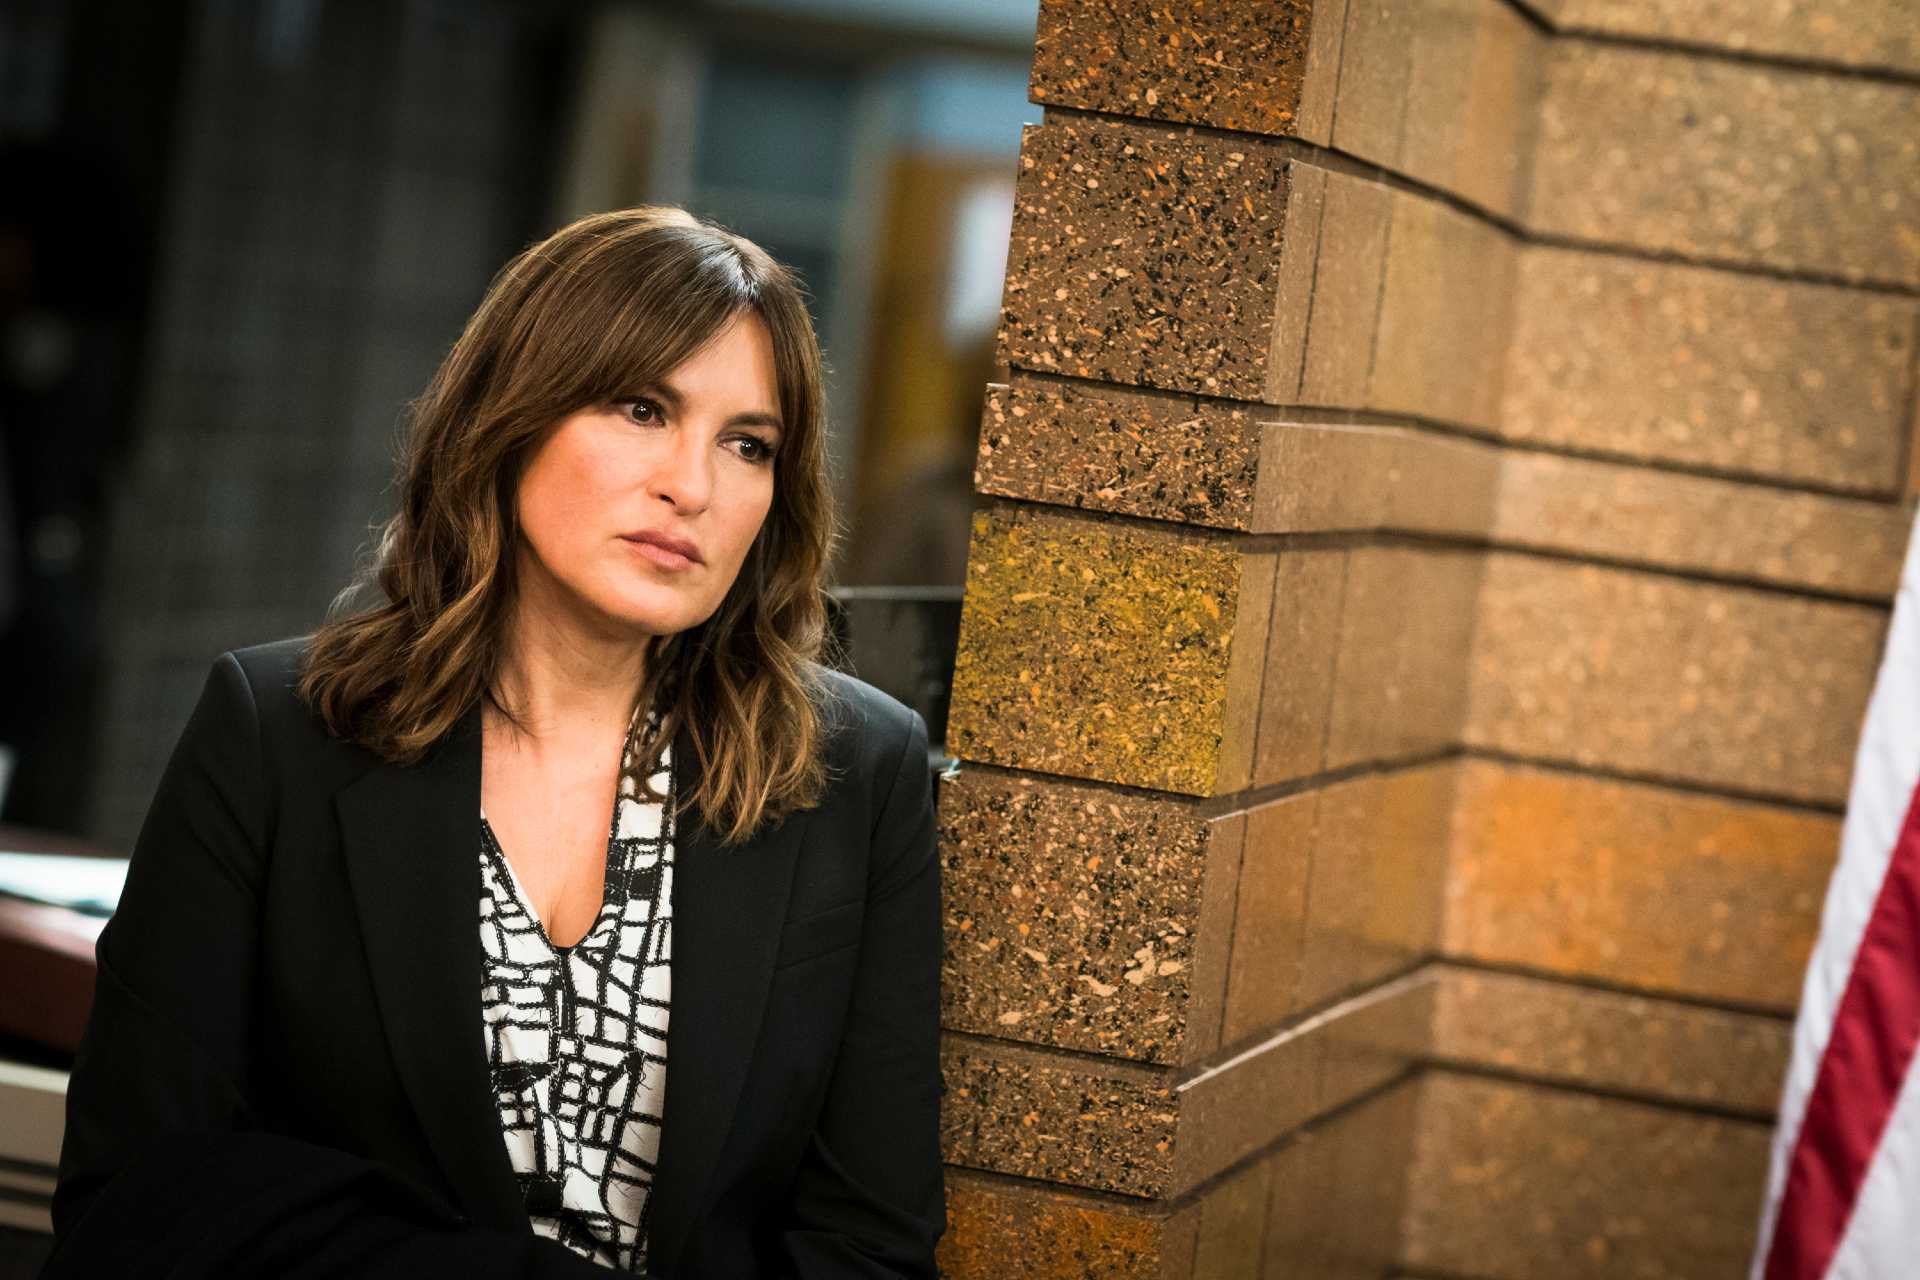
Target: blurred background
{"points": [[236, 236]]}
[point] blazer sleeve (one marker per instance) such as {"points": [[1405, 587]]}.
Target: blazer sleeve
{"points": [[166, 1166], [869, 1199]]}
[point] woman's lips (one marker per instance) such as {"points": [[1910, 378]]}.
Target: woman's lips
{"points": [[659, 555]]}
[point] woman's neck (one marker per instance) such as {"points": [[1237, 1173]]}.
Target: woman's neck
{"points": [[561, 679]]}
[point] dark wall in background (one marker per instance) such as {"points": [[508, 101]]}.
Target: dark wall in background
{"points": [[346, 178], [85, 131]]}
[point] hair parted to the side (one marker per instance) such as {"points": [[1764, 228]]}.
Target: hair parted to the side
{"points": [[604, 305]]}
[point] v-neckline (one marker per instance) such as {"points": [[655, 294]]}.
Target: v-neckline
{"points": [[525, 899], [608, 870]]}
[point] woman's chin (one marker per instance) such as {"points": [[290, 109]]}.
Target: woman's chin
{"points": [[652, 616]]}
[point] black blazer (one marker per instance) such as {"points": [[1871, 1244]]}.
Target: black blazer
{"points": [[284, 1071]]}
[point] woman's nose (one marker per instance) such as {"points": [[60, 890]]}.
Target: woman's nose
{"points": [[683, 471]]}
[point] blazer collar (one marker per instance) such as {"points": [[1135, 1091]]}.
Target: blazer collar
{"points": [[411, 838]]}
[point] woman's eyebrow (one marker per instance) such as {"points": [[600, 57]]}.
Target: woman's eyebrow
{"points": [[676, 401]]}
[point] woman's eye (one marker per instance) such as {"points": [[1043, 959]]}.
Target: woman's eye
{"points": [[642, 410], [757, 450]]}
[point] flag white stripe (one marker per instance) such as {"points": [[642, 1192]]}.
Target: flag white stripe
{"points": [[1886, 771], [1881, 1237]]}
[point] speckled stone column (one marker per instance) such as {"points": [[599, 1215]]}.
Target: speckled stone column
{"points": [[1438, 534]]}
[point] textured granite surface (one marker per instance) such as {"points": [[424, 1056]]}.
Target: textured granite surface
{"points": [[1730, 161], [1635, 884], [1108, 651], [1106, 1126], [998, 1228], [1722, 686], [1446, 306], [1224, 465], [1514, 1182], [1239, 64], [1560, 1033], [1400, 687], [1144, 255], [1703, 367], [1080, 917], [1150, 454], [1326, 1203], [1700, 524], [1853, 33]]}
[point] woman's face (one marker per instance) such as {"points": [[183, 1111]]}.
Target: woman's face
{"points": [[690, 461]]}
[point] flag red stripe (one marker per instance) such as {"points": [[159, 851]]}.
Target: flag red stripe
{"points": [[1872, 1045]]}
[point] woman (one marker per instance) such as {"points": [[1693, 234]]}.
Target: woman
{"points": [[560, 908]]}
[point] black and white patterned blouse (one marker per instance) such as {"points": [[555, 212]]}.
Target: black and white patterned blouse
{"points": [[577, 1036]]}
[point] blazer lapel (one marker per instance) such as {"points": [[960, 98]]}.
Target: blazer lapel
{"points": [[411, 839], [729, 905]]}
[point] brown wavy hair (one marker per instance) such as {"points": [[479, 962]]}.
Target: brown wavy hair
{"points": [[607, 304]]}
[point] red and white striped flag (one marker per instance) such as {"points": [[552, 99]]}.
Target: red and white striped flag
{"points": [[1843, 1197]]}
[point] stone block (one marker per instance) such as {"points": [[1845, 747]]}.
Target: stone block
{"points": [[998, 1228], [1232, 466], [1233, 1225], [1406, 623], [1376, 59], [1377, 1037], [1326, 35], [1339, 1192], [1492, 163], [1344, 306], [1716, 162], [1634, 884], [1158, 1133], [1868, 34], [1270, 916], [1700, 524], [1379, 856], [1315, 478], [1472, 97], [1145, 256], [1100, 448], [1094, 1123], [1703, 683], [1331, 1198], [1111, 652], [1559, 1033], [1238, 65], [1295, 278], [1139, 655], [1513, 1181], [1085, 918], [1303, 635], [1246, 1104], [1659, 361], [1440, 345]]}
